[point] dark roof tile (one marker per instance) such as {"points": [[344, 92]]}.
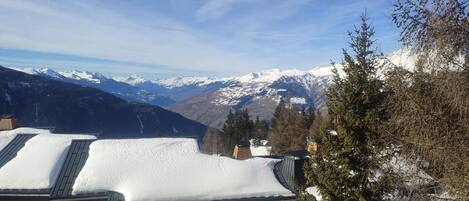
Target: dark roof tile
{"points": [[10, 151]]}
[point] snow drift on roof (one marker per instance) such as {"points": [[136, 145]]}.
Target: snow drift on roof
{"points": [[7, 136], [38, 163], [173, 169]]}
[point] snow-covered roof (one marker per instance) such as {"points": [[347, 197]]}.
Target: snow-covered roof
{"points": [[8, 135], [37, 164], [173, 169], [140, 169]]}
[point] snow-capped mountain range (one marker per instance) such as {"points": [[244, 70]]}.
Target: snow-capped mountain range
{"points": [[208, 100], [260, 92], [97, 80]]}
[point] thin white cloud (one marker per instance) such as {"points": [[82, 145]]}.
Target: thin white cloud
{"points": [[223, 37], [37, 26], [214, 9]]}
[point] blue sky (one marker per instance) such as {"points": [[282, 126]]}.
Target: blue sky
{"points": [[164, 38]]}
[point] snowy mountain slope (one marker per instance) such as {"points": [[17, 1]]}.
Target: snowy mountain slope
{"points": [[132, 80], [258, 92], [84, 76], [184, 81], [45, 72], [71, 108], [177, 88]]}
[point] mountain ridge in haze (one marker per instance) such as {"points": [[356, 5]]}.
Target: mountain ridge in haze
{"points": [[73, 108]]}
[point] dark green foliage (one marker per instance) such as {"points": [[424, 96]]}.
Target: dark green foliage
{"points": [[261, 129], [238, 127], [309, 115], [346, 160]]}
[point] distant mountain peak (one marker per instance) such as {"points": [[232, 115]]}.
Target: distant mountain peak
{"points": [[83, 75], [184, 81], [41, 71], [267, 76], [132, 80]]}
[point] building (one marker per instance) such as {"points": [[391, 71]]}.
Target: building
{"points": [[61, 190], [242, 151], [8, 122], [8, 153], [78, 154], [291, 172], [74, 161]]}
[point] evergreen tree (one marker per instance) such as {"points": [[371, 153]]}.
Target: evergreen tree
{"points": [[345, 164], [229, 132], [309, 116], [238, 127], [261, 129], [316, 124], [244, 127]]}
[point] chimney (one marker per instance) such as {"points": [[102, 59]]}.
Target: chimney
{"points": [[8, 122], [242, 150]]}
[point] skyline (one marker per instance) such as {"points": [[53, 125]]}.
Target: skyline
{"points": [[160, 39]]}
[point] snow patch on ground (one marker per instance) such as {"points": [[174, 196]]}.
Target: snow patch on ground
{"points": [[333, 132], [314, 191], [37, 164], [173, 169], [297, 100], [408, 170], [261, 150]]}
